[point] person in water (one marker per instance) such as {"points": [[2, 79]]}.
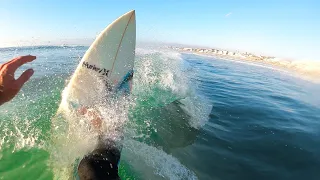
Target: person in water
{"points": [[102, 162]]}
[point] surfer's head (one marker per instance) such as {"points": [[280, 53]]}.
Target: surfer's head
{"points": [[102, 163], [95, 168]]}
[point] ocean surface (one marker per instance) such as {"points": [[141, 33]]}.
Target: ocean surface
{"points": [[189, 117]]}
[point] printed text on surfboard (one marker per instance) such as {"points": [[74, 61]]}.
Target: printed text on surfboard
{"points": [[102, 71]]}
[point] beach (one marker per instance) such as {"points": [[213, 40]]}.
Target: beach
{"points": [[309, 70]]}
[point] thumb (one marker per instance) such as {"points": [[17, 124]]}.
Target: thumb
{"points": [[25, 76]]}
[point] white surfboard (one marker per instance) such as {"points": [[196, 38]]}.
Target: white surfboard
{"points": [[106, 67], [108, 61]]}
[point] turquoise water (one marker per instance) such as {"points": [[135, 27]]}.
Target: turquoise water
{"points": [[190, 117]]}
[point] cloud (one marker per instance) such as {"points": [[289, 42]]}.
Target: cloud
{"points": [[229, 14]]}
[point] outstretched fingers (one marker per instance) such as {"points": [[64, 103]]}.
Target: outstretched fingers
{"points": [[25, 76], [15, 63]]}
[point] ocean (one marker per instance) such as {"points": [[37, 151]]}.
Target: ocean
{"points": [[190, 117]]}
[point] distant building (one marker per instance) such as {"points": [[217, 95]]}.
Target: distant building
{"points": [[222, 52], [187, 49]]}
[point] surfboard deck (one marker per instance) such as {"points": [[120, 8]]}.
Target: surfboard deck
{"points": [[105, 66]]}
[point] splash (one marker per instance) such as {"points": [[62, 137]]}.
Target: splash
{"points": [[19, 134], [158, 70], [78, 136], [163, 110], [154, 163], [76, 128]]}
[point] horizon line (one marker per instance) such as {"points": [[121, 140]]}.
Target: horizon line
{"points": [[185, 45]]}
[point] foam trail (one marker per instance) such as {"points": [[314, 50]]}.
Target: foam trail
{"points": [[159, 165]]}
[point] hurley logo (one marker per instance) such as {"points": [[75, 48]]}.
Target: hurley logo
{"points": [[102, 71]]}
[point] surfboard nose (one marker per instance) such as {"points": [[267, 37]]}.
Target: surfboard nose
{"points": [[131, 13], [131, 16]]}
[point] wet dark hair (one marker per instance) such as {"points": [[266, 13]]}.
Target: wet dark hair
{"points": [[100, 164]]}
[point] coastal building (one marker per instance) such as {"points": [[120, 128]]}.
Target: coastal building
{"points": [[187, 49], [222, 52]]}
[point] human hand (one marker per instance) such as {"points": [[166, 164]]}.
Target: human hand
{"points": [[9, 86]]}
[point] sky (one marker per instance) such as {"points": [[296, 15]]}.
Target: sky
{"points": [[282, 28]]}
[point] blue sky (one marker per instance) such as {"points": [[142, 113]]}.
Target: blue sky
{"points": [[284, 28]]}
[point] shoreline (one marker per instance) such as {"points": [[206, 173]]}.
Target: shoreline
{"points": [[308, 70]]}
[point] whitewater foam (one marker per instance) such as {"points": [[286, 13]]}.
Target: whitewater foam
{"points": [[161, 70], [156, 161], [20, 133]]}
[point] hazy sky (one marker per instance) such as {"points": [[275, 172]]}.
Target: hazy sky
{"points": [[285, 28]]}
